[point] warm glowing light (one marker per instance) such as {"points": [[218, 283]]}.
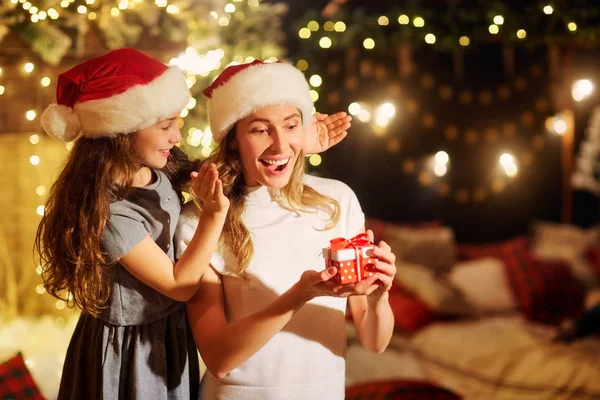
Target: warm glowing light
{"points": [[494, 29], [304, 33], [34, 139], [325, 42], [314, 95], [506, 159], [339, 26], [464, 41], [40, 190], [315, 160], [440, 169], [560, 126], [548, 9], [430, 38], [30, 115], [582, 88], [419, 22], [521, 34], [28, 67], [441, 157], [39, 210], [313, 26], [369, 43], [315, 80], [403, 19], [34, 160], [383, 20], [498, 20], [354, 108]]}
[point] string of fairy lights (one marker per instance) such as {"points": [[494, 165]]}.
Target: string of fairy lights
{"points": [[377, 116]]}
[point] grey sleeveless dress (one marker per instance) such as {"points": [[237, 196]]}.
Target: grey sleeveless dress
{"points": [[141, 347]]}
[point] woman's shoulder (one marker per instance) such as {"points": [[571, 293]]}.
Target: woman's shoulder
{"points": [[330, 187]]}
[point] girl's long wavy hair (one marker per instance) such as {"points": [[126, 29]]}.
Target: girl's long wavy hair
{"points": [[296, 196], [68, 240]]}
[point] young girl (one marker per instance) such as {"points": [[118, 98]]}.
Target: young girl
{"points": [[266, 323], [106, 239]]}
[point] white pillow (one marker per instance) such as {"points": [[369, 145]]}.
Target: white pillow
{"points": [[437, 293], [485, 285]]}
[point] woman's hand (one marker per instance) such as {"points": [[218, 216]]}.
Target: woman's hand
{"points": [[316, 284], [326, 131], [386, 270], [207, 186]]}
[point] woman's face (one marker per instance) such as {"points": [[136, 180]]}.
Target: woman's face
{"points": [[152, 144], [269, 142]]}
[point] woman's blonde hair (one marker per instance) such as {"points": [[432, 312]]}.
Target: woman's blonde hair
{"points": [[295, 196]]}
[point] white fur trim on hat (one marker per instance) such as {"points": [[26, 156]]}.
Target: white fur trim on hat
{"points": [[61, 122], [136, 108], [257, 87]]}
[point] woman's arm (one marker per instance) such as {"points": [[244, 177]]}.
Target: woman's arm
{"points": [[372, 313], [222, 345], [149, 263]]}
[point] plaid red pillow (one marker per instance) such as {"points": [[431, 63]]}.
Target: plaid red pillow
{"points": [[400, 389], [593, 257], [546, 290], [410, 313], [16, 383], [467, 252]]}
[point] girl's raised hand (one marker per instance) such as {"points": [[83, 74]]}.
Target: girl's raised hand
{"points": [[326, 131], [207, 186]]}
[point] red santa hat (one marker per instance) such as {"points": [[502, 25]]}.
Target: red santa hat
{"points": [[117, 93], [243, 89]]}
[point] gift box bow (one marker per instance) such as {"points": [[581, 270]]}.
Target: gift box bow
{"points": [[358, 248]]}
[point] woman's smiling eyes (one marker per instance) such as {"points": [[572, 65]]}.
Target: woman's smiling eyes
{"points": [[265, 130]]}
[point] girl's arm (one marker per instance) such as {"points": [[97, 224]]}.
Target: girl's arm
{"points": [[372, 313], [224, 346], [149, 263]]}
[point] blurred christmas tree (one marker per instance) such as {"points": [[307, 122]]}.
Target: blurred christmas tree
{"points": [[215, 32]]}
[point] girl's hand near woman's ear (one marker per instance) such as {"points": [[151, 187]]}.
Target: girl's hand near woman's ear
{"points": [[207, 186], [326, 131]]}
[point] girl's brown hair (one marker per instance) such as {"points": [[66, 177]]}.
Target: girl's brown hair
{"points": [[295, 196], [68, 240]]}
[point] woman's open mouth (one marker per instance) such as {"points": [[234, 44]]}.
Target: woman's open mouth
{"points": [[276, 166], [164, 152]]}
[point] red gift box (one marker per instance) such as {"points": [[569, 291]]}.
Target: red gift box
{"points": [[353, 258]]}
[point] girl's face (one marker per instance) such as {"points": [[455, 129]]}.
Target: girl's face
{"points": [[269, 142], [152, 144]]}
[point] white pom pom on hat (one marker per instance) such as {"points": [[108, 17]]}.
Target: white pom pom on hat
{"points": [[61, 122], [117, 93]]}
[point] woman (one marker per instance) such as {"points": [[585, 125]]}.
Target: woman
{"points": [[267, 323]]}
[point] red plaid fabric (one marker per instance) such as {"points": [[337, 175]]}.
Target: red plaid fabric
{"points": [[400, 389], [410, 313], [593, 257], [501, 250], [16, 382], [545, 290]]}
